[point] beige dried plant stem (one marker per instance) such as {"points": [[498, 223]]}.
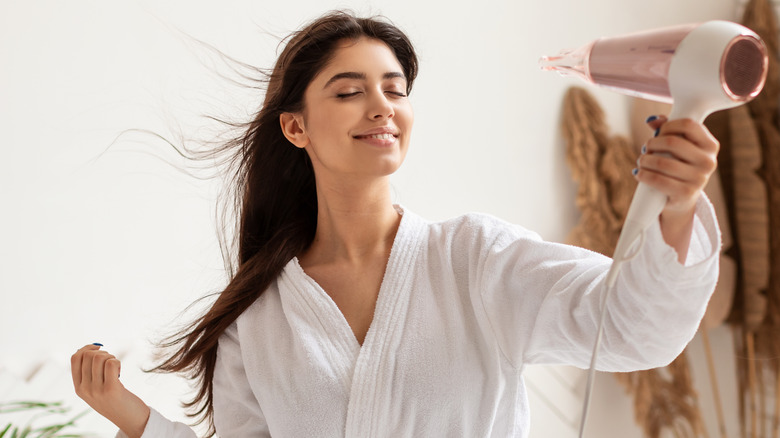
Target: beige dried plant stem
{"points": [[760, 15], [714, 383]]}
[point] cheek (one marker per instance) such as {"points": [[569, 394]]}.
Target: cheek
{"points": [[405, 121], [326, 123], [406, 114]]}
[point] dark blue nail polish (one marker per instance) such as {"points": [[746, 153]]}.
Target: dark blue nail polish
{"points": [[634, 172], [98, 344], [657, 131], [644, 149], [651, 119]]}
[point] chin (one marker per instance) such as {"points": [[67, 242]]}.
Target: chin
{"points": [[389, 167]]}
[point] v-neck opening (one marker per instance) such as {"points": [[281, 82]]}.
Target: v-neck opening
{"points": [[314, 313], [382, 286]]}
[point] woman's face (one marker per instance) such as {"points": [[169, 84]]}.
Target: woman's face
{"points": [[357, 118]]}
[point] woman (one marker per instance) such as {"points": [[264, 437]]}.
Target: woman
{"points": [[351, 316]]}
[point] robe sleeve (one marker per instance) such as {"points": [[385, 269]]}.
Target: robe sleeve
{"points": [[542, 299], [160, 427], [236, 410]]}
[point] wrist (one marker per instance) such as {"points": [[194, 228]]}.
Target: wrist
{"points": [[677, 228], [135, 417]]}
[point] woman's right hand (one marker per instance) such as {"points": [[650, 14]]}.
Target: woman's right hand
{"points": [[96, 379]]}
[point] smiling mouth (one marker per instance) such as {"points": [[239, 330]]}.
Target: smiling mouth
{"points": [[378, 136]]}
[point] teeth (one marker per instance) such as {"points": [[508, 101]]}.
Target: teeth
{"points": [[382, 136]]}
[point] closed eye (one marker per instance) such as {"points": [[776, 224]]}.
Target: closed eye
{"points": [[347, 95], [355, 93]]}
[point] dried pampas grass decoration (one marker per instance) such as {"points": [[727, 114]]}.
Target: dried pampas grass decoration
{"points": [[752, 160], [599, 164], [665, 402]]}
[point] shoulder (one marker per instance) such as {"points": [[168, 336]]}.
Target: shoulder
{"points": [[473, 237], [240, 342], [480, 236], [261, 314], [481, 228]]}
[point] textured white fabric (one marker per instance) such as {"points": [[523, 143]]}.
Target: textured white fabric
{"points": [[464, 305], [158, 426]]}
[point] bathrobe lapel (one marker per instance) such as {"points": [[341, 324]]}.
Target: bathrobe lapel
{"points": [[320, 324], [376, 360], [331, 347]]}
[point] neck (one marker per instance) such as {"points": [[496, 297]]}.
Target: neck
{"points": [[354, 223]]}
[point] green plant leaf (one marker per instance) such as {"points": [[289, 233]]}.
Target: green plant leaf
{"points": [[40, 410]]}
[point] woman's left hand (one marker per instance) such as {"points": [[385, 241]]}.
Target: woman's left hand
{"points": [[678, 161]]}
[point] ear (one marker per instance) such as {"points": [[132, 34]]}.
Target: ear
{"points": [[293, 130]]}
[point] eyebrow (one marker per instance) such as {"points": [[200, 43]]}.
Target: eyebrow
{"points": [[362, 76]]}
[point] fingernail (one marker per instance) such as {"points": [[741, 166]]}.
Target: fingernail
{"points": [[651, 119], [637, 162], [657, 131], [644, 149], [98, 344], [634, 172]]}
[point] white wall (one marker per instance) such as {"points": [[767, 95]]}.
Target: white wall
{"points": [[111, 247]]}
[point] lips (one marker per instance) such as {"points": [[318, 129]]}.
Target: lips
{"points": [[385, 133], [378, 136]]}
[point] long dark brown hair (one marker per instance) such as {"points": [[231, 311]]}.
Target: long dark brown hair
{"points": [[274, 190]]}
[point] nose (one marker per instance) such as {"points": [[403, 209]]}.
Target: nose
{"points": [[381, 107]]}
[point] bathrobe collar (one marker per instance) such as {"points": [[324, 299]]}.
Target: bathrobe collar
{"points": [[362, 368]]}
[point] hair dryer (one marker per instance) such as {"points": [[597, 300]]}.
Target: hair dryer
{"points": [[699, 68]]}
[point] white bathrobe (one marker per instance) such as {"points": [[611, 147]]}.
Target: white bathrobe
{"points": [[464, 306]]}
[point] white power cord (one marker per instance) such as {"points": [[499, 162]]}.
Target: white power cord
{"points": [[594, 356], [609, 281]]}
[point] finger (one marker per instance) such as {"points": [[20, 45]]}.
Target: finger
{"points": [[671, 167], [76, 363], [87, 356], [694, 132], [675, 179], [75, 368], [113, 368], [655, 122], [681, 149], [98, 368], [677, 190]]}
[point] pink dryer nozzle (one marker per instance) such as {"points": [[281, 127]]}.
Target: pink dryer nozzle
{"points": [[570, 63], [636, 64], [720, 58]]}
